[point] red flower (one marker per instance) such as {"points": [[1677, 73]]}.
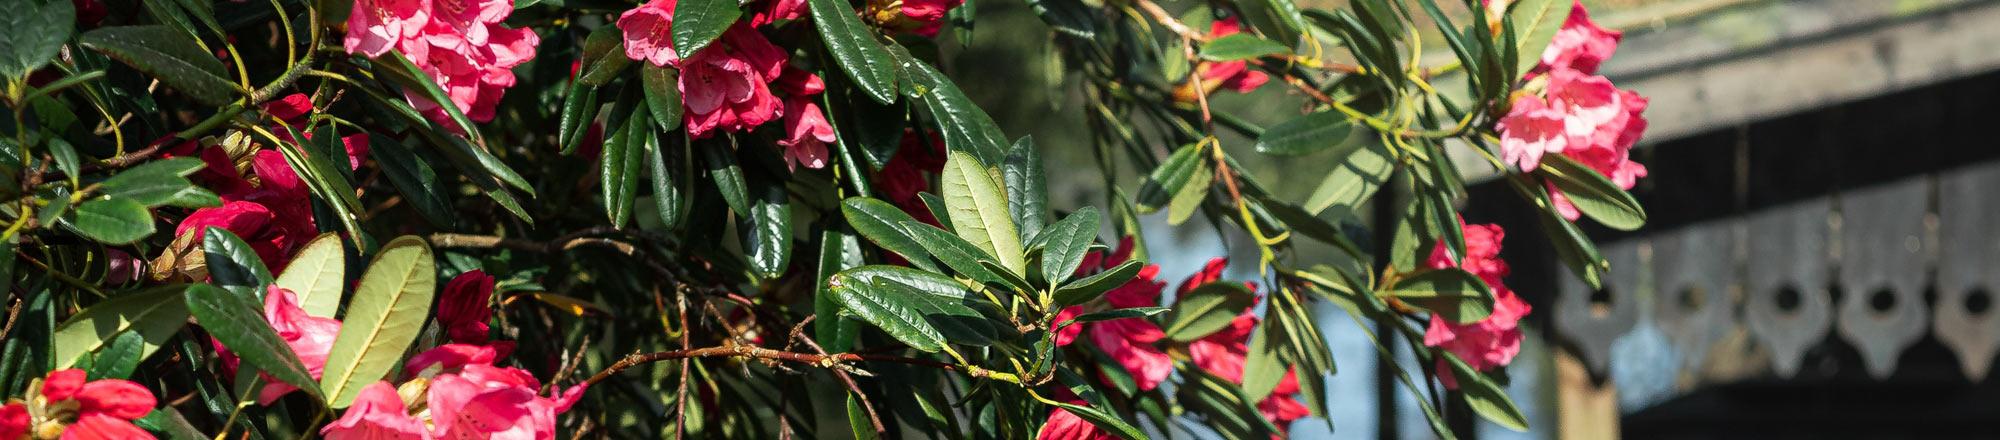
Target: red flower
{"points": [[104, 409], [1491, 342], [466, 306]]}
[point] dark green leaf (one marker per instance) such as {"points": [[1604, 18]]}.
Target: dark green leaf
{"points": [[1066, 16], [1310, 134], [918, 308], [962, 256], [168, 55], [399, 69], [64, 154], [668, 195], [1241, 46], [153, 184], [119, 357], [414, 178], [32, 32], [236, 321], [1089, 288], [169, 420], [113, 221], [1593, 195], [883, 224], [1103, 420], [1107, 315], [963, 124], [618, 167], [939, 211], [839, 250], [233, 264], [603, 57], [578, 111], [727, 174], [768, 229], [854, 48], [1206, 309], [1169, 178], [1455, 294], [1027, 187], [1067, 241], [1572, 247], [1354, 181], [698, 22], [663, 96]]}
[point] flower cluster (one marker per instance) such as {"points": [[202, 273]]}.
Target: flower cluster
{"points": [[1577, 113], [1491, 342], [728, 85], [460, 44], [67, 406], [1213, 76], [454, 391]]}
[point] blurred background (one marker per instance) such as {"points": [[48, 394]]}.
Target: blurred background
{"points": [[1819, 260]]}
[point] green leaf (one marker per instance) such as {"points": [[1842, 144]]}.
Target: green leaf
{"points": [[1066, 16], [1262, 366], [964, 126], [579, 109], [1089, 288], [389, 308], [939, 211], [852, 45], [698, 22], [325, 180], [768, 232], [663, 96], [1453, 293], [1486, 398], [668, 195], [155, 314], [1354, 181], [399, 69], [414, 178], [65, 156], [1103, 420], [1027, 188], [153, 185], [166, 54], [978, 209], [1206, 309], [1535, 24], [603, 57], [170, 421], [919, 308], [1009, 279], [1310, 134], [839, 250], [32, 33], [233, 264], [118, 358], [1241, 46], [955, 252], [1593, 195], [1279, 19], [727, 174], [882, 223], [1067, 241], [1107, 315], [317, 275], [857, 416], [1573, 248], [113, 221], [618, 167], [238, 323], [1169, 178], [1191, 193]]}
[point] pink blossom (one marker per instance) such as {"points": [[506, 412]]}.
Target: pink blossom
{"points": [[923, 17], [464, 24], [648, 33], [377, 413], [483, 401], [1062, 425], [375, 26], [774, 10], [309, 337], [1530, 130], [807, 133], [1234, 75], [1131, 343], [1491, 342], [1580, 45], [1224, 353], [466, 306], [726, 86], [79, 409]]}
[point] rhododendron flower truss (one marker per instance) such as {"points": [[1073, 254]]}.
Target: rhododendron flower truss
{"points": [[470, 219]]}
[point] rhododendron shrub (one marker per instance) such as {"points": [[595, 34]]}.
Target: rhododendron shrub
{"points": [[454, 219]]}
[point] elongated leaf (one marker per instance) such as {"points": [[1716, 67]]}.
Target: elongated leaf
{"points": [[669, 194], [1089, 288], [389, 308], [839, 250], [618, 168], [1354, 181], [908, 303], [1067, 241], [1455, 294], [699, 22], [1107, 315], [853, 46], [1206, 309], [727, 174], [317, 275], [964, 125], [238, 322], [65, 156], [233, 264], [578, 110], [155, 314], [1262, 367], [118, 358], [939, 211], [1535, 24], [1309, 134], [882, 223], [1066, 16], [32, 33], [768, 229], [663, 96], [1241, 46], [1574, 249], [1027, 187], [1486, 398], [603, 57], [1191, 193], [1167, 180], [955, 252], [978, 208], [113, 221], [414, 178], [1094, 413], [168, 55], [1594, 195], [155, 183]]}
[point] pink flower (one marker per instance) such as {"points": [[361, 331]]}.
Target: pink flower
{"points": [[464, 24], [73, 408], [377, 413], [1065, 426], [291, 108], [1224, 353], [726, 86], [1580, 45], [1491, 342], [648, 33], [774, 10], [807, 133], [309, 337], [1234, 75], [375, 26], [466, 306], [1530, 130], [1131, 343], [449, 357], [904, 176]]}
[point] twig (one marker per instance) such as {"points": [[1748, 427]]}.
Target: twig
{"points": [[866, 406]]}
